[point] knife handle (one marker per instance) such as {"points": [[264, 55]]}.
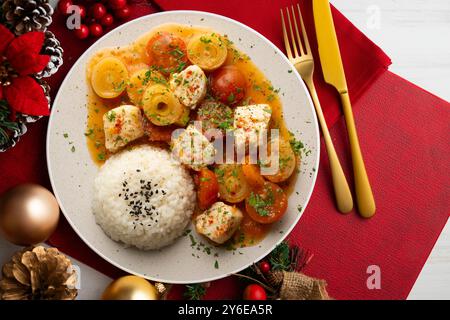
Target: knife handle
{"points": [[364, 195], [342, 192]]}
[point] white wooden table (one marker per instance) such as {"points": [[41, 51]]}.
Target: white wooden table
{"points": [[415, 34]]}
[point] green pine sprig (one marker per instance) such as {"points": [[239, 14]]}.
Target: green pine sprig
{"points": [[5, 123], [195, 291]]}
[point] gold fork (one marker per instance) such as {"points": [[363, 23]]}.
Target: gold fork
{"points": [[303, 62]]}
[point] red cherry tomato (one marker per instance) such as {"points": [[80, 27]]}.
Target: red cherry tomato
{"points": [[166, 52], [107, 20], [82, 32], [96, 29], [64, 5], [123, 13], [228, 84], [208, 188], [264, 266], [98, 10], [117, 4], [255, 292]]}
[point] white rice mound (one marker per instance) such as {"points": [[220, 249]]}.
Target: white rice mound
{"points": [[143, 198]]}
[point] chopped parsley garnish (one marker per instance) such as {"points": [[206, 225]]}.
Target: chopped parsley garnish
{"points": [[296, 145], [205, 39], [260, 203], [111, 116], [101, 156], [231, 98], [89, 132], [216, 264]]}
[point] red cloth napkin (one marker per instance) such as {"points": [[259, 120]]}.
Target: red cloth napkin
{"points": [[407, 162]]}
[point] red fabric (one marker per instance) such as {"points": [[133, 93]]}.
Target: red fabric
{"points": [[407, 162]]}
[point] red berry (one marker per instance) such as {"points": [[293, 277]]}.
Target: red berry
{"points": [[117, 4], [82, 11], [264, 266], [107, 20], [123, 12], [255, 292], [96, 29], [98, 10], [82, 32], [64, 5]]}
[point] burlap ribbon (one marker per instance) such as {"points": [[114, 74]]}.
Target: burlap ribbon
{"points": [[297, 286]]}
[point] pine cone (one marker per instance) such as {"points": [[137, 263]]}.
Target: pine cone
{"points": [[52, 47], [38, 274], [27, 15]]}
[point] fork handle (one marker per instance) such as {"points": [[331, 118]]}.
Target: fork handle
{"points": [[364, 195], [342, 192]]}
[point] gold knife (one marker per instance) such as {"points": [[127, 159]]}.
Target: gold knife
{"points": [[333, 72]]}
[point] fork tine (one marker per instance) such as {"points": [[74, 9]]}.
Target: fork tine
{"points": [[305, 35], [299, 39], [285, 36], [292, 32]]}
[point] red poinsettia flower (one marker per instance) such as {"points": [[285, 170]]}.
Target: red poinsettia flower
{"points": [[20, 58]]}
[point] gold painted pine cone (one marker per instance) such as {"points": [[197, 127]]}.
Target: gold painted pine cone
{"points": [[38, 273]]}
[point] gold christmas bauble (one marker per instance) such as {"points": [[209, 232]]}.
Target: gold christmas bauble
{"points": [[130, 288], [29, 214]]}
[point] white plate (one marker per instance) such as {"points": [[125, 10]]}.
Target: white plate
{"points": [[72, 171]]}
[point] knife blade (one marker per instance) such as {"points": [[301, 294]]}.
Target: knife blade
{"points": [[330, 55], [333, 73]]}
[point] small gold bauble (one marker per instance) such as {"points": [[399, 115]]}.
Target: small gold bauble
{"points": [[130, 288], [29, 214]]}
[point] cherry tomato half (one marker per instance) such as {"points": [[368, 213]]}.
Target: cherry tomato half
{"points": [[167, 52], [267, 204], [228, 84]]}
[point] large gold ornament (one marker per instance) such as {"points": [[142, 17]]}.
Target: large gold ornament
{"points": [[29, 214], [130, 288], [38, 274]]}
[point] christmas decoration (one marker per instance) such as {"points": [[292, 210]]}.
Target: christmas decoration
{"points": [[264, 266], [51, 47], [63, 6], [96, 29], [38, 274], [27, 15], [95, 16], [82, 32], [282, 278], [195, 291], [28, 53], [130, 288], [255, 292], [29, 214]]}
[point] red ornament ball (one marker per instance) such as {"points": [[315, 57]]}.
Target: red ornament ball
{"points": [[64, 5], [255, 292], [82, 11], [107, 20], [98, 10], [96, 29], [82, 32], [117, 4], [123, 12], [264, 266]]}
